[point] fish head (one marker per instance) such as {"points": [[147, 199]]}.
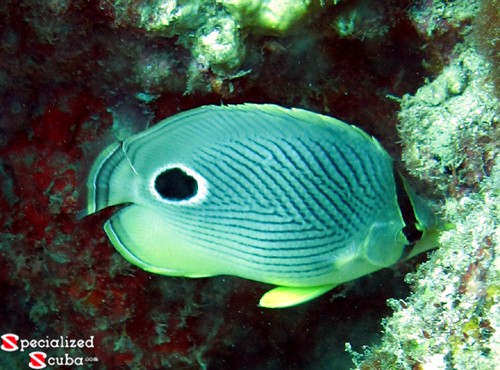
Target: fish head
{"points": [[405, 229], [428, 225]]}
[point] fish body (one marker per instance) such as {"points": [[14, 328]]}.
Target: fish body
{"points": [[281, 196]]}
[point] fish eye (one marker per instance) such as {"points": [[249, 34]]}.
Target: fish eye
{"points": [[401, 238], [408, 235], [174, 184], [412, 234]]}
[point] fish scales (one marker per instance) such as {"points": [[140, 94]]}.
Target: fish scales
{"points": [[221, 174]]}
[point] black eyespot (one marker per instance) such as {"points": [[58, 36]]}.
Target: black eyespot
{"points": [[175, 184]]}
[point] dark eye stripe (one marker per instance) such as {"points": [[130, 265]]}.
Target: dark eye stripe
{"points": [[410, 230]]}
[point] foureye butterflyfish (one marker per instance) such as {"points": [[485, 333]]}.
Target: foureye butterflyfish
{"points": [[282, 196]]}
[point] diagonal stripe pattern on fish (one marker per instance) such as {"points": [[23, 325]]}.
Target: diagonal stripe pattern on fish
{"points": [[281, 196]]}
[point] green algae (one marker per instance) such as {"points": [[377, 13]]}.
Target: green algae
{"points": [[450, 138], [451, 320], [447, 127], [214, 31]]}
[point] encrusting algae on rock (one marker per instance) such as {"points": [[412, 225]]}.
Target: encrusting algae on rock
{"points": [[452, 318], [214, 31], [451, 140], [448, 127], [74, 73]]}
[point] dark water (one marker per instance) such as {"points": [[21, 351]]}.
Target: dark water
{"points": [[70, 72]]}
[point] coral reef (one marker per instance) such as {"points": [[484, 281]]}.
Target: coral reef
{"points": [[448, 127], [487, 36], [75, 75], [450, 138], [452, 318], [437, 17], [214, 31]]}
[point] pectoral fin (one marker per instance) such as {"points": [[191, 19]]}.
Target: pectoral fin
{"points": [[284, 296]]}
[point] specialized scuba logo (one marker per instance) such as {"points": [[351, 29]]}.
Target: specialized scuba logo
{"points": [[9, 342], [38, 359]]}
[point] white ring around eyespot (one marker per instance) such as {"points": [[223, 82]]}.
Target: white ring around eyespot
{"points": [[202, 184]]}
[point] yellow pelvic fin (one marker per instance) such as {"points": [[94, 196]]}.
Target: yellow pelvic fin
{"points": [[285, 296]]}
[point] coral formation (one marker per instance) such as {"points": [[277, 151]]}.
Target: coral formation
{"points": [[450, 136], [487, 35], [268, 16], [74, 75], [363, 22], [214, 31], [437, 17], [452, 318], [448, 127]]}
